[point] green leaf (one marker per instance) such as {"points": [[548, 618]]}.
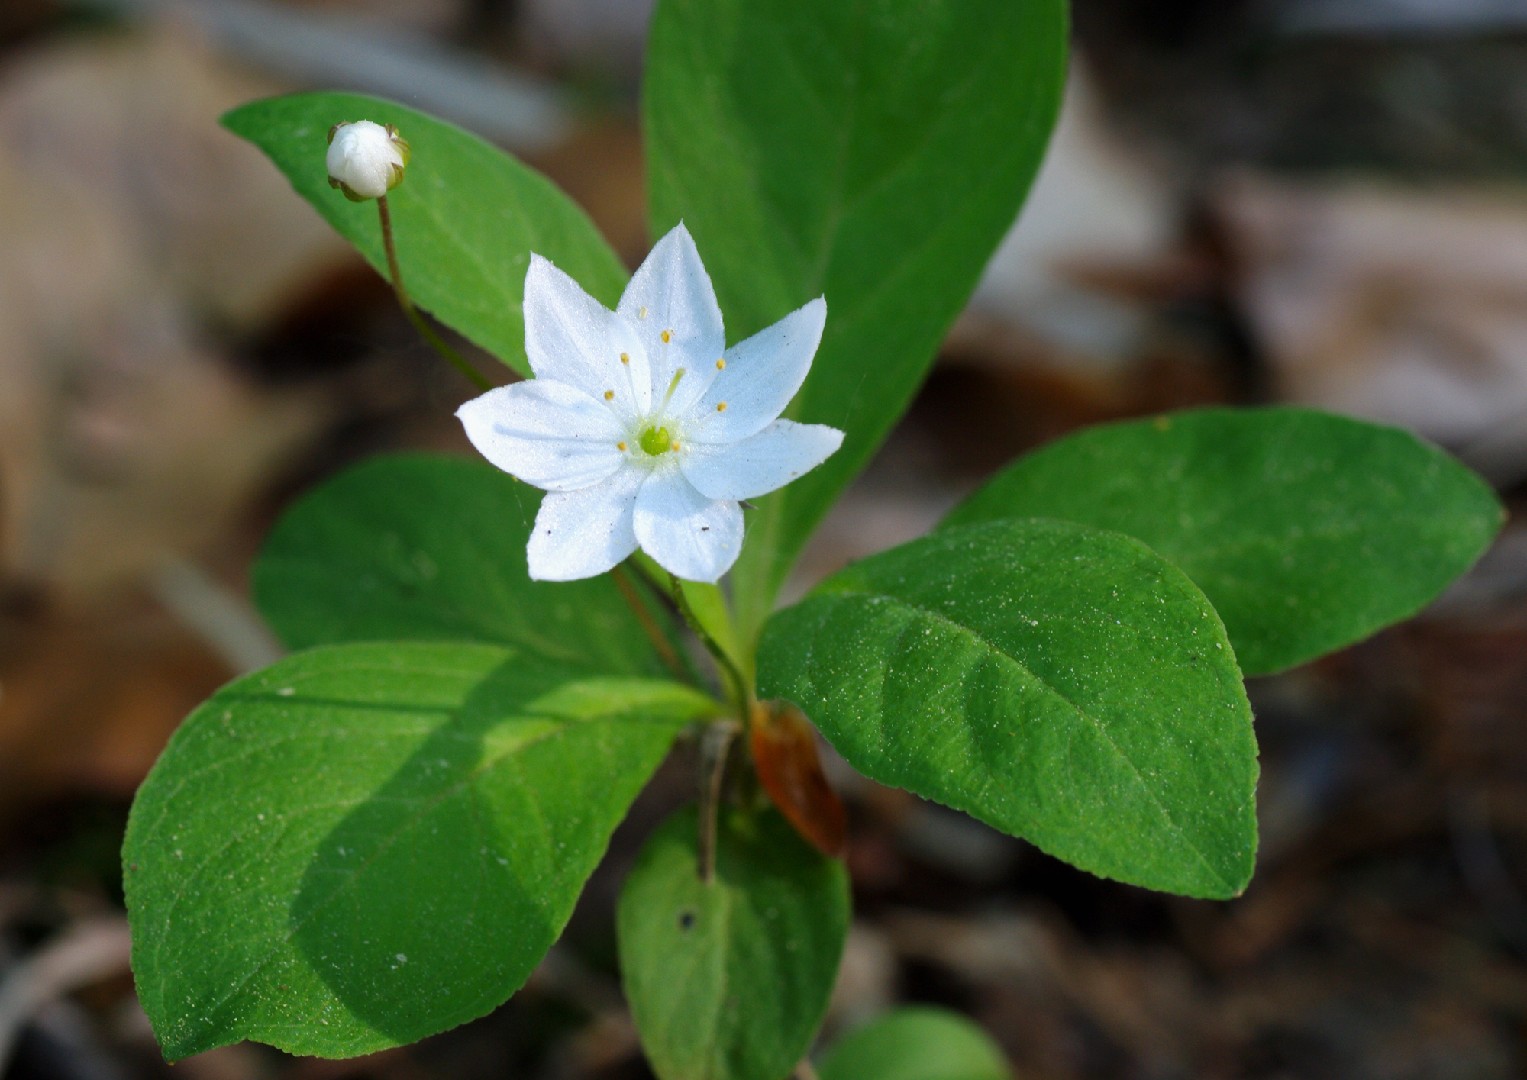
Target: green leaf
{"points": [[916, 1044], [366, 844], [420, 547], [1307, 531], [729, 980], [1062, 684], [873, 152], [465, 218]]}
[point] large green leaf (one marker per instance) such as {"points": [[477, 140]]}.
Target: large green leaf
{"points": [[465, 218], [728, 980], [419, 547], [873, 151], [1307, 531], [1060, 683], [367, 844], [916, 1044]]}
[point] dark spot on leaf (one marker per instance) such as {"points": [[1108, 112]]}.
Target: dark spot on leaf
{"points": [[686, 920]]}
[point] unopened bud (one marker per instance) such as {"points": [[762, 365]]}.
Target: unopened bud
{"points": [[366, 160]]}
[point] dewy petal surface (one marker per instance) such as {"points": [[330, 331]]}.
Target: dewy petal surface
{"points": [[762, 374], [547, 433], [579, 534], [760, 463], [572, 338], [693, 537], [673, 289]]}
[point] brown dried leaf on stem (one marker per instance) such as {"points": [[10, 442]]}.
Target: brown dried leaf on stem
{"points": [[790, 770]]}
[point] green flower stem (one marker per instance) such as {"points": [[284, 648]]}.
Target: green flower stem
{"points": [[717, 740], [427, 332], [742, 693]]}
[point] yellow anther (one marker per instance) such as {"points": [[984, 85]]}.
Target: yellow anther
{"points": [[609, 395], [721, 406], [625, 358], [621, 447], [641, 313], [674, 445], [667, 336], [721, 365]]}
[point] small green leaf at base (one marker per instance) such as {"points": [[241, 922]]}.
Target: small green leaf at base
{"points": [[916, 1044], [367, 844], [416, 547], [1063, 684], [728, 980], [465, 219], [1307, 531]]}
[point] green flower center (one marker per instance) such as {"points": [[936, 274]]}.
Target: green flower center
{"points": [[655, 440]]}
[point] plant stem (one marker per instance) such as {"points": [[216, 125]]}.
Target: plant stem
{"points": [[427, 332], [742, 696], [714, 745], [654, 632], [805, 1071]]}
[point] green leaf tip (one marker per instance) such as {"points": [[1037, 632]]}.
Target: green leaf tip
{"points": [[846, 173]]}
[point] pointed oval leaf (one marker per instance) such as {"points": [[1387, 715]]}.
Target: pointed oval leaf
{"points": [[366, 844], [873, 152], [916, 1044], [424, 547], [1063, 684], [729, 979], [465, 218], [1307, 531]]}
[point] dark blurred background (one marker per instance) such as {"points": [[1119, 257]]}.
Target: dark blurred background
{"points": [[1317, 201]]}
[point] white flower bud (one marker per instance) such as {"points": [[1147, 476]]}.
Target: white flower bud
{"points": [[366, 160]]}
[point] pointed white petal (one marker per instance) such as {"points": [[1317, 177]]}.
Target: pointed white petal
{"points": [[572, 338], [580, 534], [671, 293], [760, 463], [762, 374], [691, 536], [546, 433]]}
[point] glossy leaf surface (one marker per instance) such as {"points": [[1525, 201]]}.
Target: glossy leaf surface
{"points": [[728, 979], [916, 1044], [1307, 531], [1063, 684], [366, 844], [420, 547], [874, 153]]}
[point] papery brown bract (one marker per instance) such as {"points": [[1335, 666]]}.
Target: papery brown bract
{"points": [[789, 768]]}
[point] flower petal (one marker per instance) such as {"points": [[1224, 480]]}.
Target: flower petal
{"points": [[671, 293], [760, 463], [762, 374], [572, 338], [547, 433], [696, 538], [580, 534]]}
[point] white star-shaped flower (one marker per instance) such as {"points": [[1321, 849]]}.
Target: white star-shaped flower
{"points": [[644, 429]]}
